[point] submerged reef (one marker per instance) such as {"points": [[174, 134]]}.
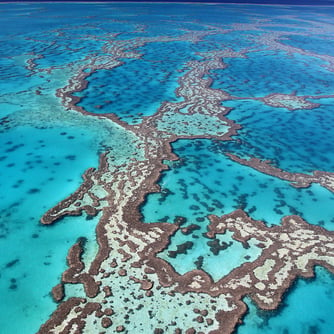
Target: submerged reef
{"points": [[125, 286], [127, 280]]}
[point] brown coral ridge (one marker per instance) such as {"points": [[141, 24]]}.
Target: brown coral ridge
{"points": [[289, 101], [289, 251], [116, 50], [75, 268], [74, 200], [199, 99], [121, 225], [75, 325], [298, 180], [58, 293], [76, 274], [120, 228], [273, 41]]}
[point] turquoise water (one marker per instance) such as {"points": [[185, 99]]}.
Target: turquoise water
{"points": [[204, 181], [131, 91], [297, 141], [280, 73], [38, 168], [306, 309], [189, 252], [45, 148], [322, 45], [138, 87]]}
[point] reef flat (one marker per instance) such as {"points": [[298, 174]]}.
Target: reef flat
{"points": [[181, 184]]}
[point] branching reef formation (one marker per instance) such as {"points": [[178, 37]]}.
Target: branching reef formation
{"points": [[126, 286]]}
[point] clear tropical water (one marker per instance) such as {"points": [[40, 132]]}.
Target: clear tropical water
{"points": [[300, 312], [45, 148]]}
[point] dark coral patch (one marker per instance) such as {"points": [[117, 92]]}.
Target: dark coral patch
{"points": [[216, 246], [12, 263], [70, 157], [33, 191], [181, 249]]}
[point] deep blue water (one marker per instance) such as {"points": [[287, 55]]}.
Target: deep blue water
{"points": [[280, 73], [297, 141]]}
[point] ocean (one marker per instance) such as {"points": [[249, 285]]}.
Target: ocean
{"points": [[167, 117]]}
